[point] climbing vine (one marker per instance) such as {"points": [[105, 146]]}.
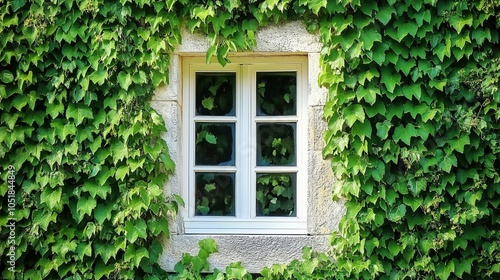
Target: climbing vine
{"points": [[410, 137], [412, 134], [81, 138]]}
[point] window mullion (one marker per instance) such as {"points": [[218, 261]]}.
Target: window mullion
{"points": [[246, 145]]}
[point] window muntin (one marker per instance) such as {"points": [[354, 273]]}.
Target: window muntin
{"points": [[246, 122]]}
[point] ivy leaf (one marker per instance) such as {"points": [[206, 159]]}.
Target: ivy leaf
{"points": [[368, 36], [106, 251], [362, 129], [103, 212], [403, 29], [447, 162], [84, 249], [384, 14], [368, 94], [405, 133], [389, 79], [405, 66], [85, 205], [459, 22], [99, 77], [354, 113], [316, 5], [95, 189], [210, 138], [208, 103], [413, 90], [119, 150], [383, 129], [413, 202], [443, 271], [397, 213], [51, 197], [210, 187], [124, 80], [78, 113], [121, 172], [479, 34]]}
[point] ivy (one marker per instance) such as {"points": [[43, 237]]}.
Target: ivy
{"points": [[412, 116], [409, 215], [85, 146]]}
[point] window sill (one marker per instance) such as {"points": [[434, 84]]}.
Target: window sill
{"points": [[284, 226]]}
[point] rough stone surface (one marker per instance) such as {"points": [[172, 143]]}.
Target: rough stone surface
{"points": [[324, 214], [255, 251], [170, 112], [317, 94], [291, 37], [171, 91], [317, 127]]}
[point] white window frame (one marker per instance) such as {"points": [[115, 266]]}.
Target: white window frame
{"points": [[245, 221]]}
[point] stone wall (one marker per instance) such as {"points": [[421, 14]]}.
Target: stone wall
{"points": [[255, 251]]}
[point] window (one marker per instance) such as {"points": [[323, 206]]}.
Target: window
{"points": [[245, 145]]}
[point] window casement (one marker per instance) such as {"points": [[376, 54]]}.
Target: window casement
{"points": [[245, 145]]}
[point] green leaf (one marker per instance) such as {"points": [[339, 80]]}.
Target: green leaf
{"points": [[17, 4], [479, 34], [368, 94], [103, 212], [406, 28], [121, 172], [354, 113], [438, 84], [384, 14], [124, 79], [208, 245], [136, 229], [397, 213], [413, 91], [460, 143], [102, 270], [208, 103], [368, 36], [362, 129], [119, 151], [390, 79], [210, 138], [413, 202], [84, 249], [383, 129], [405, 133], [78, 113], [51, 197], [405, 66], [99, 76], [86, 205], [459, 22], [443, 271], [94, 189], [447, 162]]}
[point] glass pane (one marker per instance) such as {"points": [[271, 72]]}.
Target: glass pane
{"points": [[214, 194], [214, 144], [215, 94], [276, 194], [276, 144], [276, 93]]}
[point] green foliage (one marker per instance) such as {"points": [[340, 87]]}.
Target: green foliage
{"points": [[413, 137], [412, 134], [275, 195], [76, 125]]}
